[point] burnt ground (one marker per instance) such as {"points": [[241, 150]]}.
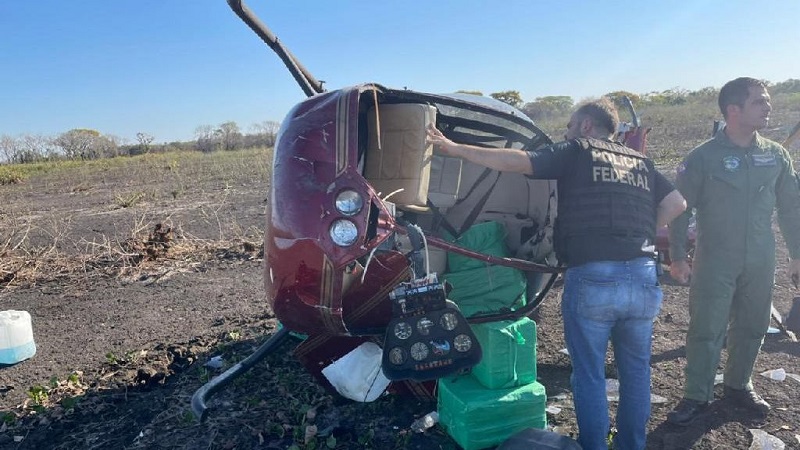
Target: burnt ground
{"points": [[124, 323]]}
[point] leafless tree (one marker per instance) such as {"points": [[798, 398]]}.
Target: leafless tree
{"points": [[26, 149], [8, 148], [144, 142], [264, 134], [205, 138], [229, 135], [38, 147], [108, 146]]}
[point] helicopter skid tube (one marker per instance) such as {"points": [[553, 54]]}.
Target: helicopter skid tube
{"points": [[200, 396]]}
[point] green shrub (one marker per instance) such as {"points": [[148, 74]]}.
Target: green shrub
{"points": [[12, 175]]}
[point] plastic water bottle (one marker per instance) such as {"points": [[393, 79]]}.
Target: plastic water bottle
{"points": [[425, 422], [311, 426], [16, 337]]}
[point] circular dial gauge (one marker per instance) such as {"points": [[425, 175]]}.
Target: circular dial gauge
{"points": [[462, 343], [419, 351], [397, 356], [424, 326], [403, 330], [448, 321]]}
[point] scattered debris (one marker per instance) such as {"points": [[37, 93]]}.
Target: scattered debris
{"points": [[311, 426], [765, 441], [657, 399], [612, 392], [358, 375], [425, 422], [794, 376], [214, 363], [776, 316], [159, 241], [775, 374], [563, 430], [552, 409]]}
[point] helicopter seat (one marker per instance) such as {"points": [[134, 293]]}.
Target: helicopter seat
{"points": [[398, 159], [445, 180]]}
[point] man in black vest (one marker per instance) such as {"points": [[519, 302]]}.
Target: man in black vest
{"points": [[610, 201]]}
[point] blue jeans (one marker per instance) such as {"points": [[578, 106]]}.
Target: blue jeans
{"points": [[616, 300]]}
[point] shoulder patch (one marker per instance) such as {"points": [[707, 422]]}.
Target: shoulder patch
{"points": [[681, 168]]}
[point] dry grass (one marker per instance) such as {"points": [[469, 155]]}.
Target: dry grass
{"points": [[59, 238], [145, 253]]}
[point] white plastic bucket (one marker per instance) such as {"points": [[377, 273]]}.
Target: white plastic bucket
{"points": [[16, 337]]}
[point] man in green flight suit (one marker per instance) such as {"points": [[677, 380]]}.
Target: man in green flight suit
{"points": [[734, 181]]}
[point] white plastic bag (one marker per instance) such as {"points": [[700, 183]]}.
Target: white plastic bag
{"points": [[358, 375]]}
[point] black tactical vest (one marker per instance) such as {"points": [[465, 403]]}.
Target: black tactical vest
{"points": [[606, 205]]}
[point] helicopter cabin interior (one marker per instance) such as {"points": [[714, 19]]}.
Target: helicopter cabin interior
{"points": [[445, 196]]}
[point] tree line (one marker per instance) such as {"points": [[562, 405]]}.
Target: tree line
{"points": [[548, 107], [89, 144]]}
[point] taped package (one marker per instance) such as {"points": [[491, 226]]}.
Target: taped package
{"points": [[509, 357], [477, 417]]}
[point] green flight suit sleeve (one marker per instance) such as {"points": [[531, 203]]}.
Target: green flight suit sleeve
{"points": [[787, 191], [678, 235], [689, 182]]}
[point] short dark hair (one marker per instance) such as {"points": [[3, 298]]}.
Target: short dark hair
{"points": [[735, 92], [602, 112]]}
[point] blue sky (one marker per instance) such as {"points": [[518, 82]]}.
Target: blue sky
{"points": [[165, 67]]}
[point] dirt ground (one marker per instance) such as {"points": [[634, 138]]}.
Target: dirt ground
{"points": [[122, 340]]}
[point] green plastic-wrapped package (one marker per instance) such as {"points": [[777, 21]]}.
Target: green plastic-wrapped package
{"points": [[509, 353], [484, 237], [477, 417], [478, 287], [486, 289]]}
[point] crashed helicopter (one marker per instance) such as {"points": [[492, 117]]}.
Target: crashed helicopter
{"points": [[365, 223]]}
